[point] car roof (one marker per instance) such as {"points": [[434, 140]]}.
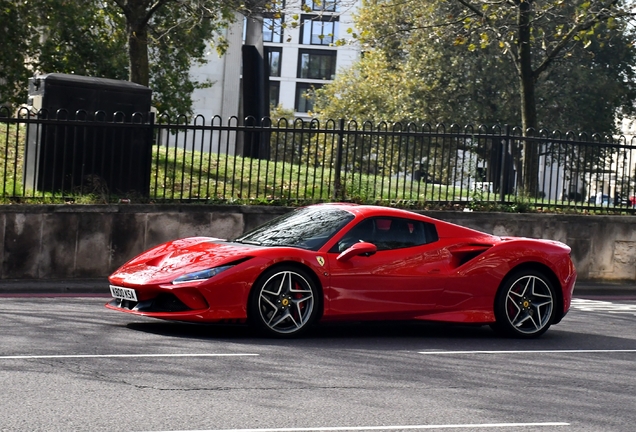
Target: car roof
{"points": [[372, 210], [444, 229]]}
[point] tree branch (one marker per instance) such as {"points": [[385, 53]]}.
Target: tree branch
{"points": [[123, 6], [151, 11], [472, 8], [602, 15]]}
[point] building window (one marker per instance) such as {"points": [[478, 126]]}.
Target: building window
{"points": [[274, 93], [273, 29], [317, 64], [274, 55], [319, 30], [305, 96], [322, 5]]}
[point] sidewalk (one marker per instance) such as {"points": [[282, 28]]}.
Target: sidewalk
{"points": [[100, 286], [604, 289]]}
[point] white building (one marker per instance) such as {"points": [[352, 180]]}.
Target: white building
{"points": [[302, 54]]}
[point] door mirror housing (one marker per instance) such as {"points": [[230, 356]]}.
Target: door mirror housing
{"points": [[357, 249]]}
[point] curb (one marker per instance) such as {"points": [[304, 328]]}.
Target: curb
{"points": [[604, 289], [55, 286]]}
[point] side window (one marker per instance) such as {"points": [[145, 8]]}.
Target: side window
{"points": [[389, 233], [362, 232]]}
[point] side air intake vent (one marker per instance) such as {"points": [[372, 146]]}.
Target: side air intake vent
{"points": [[465, 253]]}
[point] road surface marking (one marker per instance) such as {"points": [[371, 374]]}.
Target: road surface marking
{"points": [[573, 351], [387, 428], [72, 356], [603, 306]]}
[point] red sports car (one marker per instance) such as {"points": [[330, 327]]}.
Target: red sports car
{"points": [[332, 262]]}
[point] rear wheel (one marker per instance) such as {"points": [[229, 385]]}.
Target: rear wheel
{"points": [[525, 305], [284, 302]]}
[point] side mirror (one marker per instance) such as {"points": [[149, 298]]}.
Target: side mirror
{"points": [[358, 249]]}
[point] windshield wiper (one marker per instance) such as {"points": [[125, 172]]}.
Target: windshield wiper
{"points": [[299, 246], [249, 242]]}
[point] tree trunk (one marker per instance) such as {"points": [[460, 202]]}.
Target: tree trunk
{"points": [[528, 181], [137, 31]]}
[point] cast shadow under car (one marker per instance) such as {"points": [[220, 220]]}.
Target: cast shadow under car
{"points": [[389, 336], [323, 331]]}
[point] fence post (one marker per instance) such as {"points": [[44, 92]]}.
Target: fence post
{"points": [[503, 187], [337, 180], [149, 148]]}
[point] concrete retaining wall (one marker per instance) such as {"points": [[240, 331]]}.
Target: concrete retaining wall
{"points": [[78, 241]]}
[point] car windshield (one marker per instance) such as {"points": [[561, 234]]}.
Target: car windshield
{"points": [[307, 228]]}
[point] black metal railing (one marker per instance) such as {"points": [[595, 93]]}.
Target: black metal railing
{"points": [[51, 158]]}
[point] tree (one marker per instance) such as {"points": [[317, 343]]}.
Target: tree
{"points": [[14, 50], [535, 34], [155, 23], [91, 46], [431, 81], [493, 61], [153, 43]]}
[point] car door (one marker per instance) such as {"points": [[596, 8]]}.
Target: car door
{"points": [[401, 280]]}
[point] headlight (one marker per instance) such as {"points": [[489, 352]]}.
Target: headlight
{"points": [[200, 275]]}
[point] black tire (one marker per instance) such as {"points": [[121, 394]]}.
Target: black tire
{"points": [[525, 305], [284, 302]]}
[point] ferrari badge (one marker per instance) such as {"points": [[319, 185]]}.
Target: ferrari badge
{"points": [[321, 260]]}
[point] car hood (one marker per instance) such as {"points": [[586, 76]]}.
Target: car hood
{"points": [[168, 261]]}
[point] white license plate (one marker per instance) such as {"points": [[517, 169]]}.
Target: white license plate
{"points": [[123, 293]]}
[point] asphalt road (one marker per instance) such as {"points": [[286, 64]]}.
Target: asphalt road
{"points": [[69, 364]]}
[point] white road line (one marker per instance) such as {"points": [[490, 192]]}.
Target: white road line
{"points": [[603, 306], [387, 428], [29, 357], [575, 351]]}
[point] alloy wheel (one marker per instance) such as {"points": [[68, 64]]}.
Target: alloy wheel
{"points": [[286, 302], [529, 303]]}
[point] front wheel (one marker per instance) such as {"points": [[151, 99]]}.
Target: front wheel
{"points": [[525, 305], [284, 302]]}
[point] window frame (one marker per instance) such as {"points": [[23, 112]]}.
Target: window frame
{"points": [[310, 22], [323, 6], [276, 31], [269, 50], [304, 86], [331, 54], [274, 86]]}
